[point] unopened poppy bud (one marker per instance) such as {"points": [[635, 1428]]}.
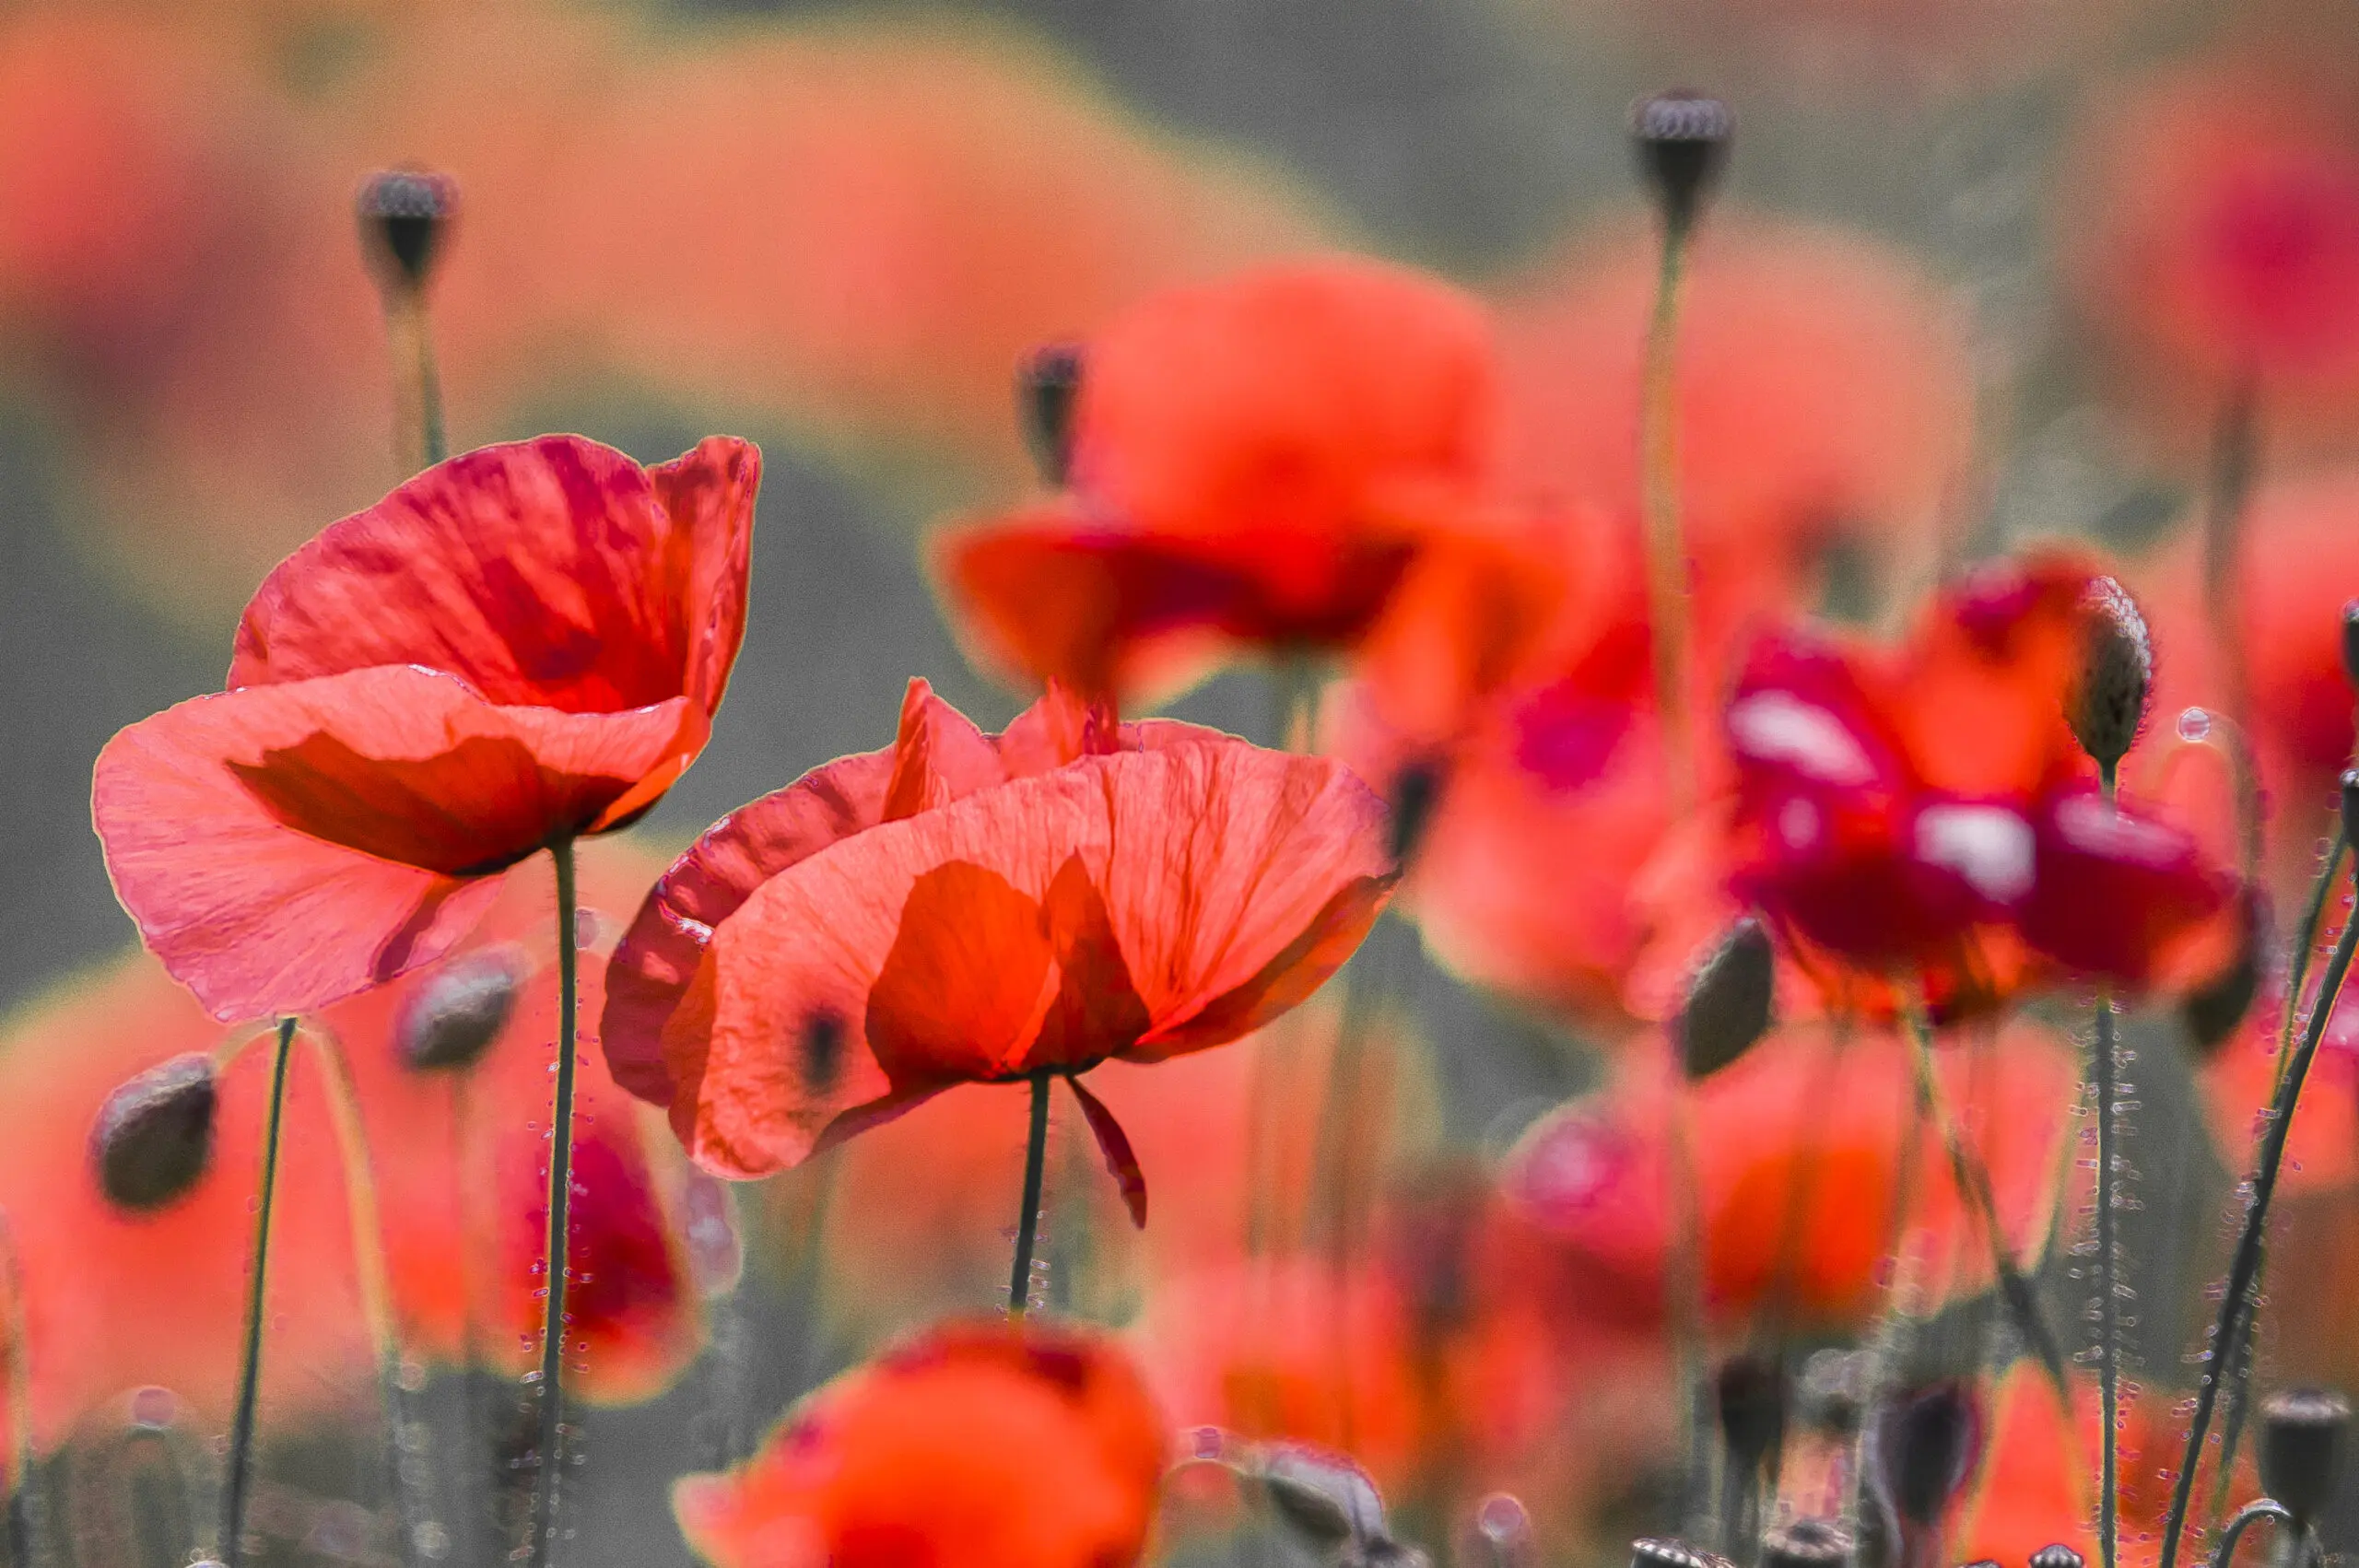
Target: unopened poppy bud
{"points": [[2056, 1554], [1925, 1445], [1683, 140], [450, 1018], [1416, 790], [2213, 1009], [405, 213], [2108, 699], [2350, 642], [2302, 1433], [154, 1136], [1751, 1394], [1729, 1001], [1662, 1551], [1323, 1497], [1807, 1544], [1047, 384], [2350, 804]]}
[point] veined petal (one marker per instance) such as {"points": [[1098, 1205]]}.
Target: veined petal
{"points": [[708, 494]]}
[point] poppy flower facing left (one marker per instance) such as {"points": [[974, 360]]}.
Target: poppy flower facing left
{"points": [[969, 909], [521, 645]]}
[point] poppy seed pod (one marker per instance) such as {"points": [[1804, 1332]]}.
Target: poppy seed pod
{"points": [[2056, 1554], [1682, 140], [1925, 1444], [450, 1018], [1323, 1497], [1807, 1544], [2302, 1433], [2350, 804], [1416, 791], [2350, 642], [1727, 1007], [1047, 383], [1662, 1551], [153, 1139], [404, 213], [2108, 699], [1751, 1397]]}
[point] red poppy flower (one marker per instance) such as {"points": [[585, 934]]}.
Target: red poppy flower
{"points": [[521, 645], [1925, 813], [116, 1300], [965, 909], [982, 1445], [1798, 1148], [1251, 462]]}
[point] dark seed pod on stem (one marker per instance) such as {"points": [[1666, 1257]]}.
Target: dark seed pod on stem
{"points": [[1682, 140], [1416, 791], [454, 1014], [1925, 1448], [1729, 1001], [2350, 804], [1662, 1551], [2057, 1555], [1323, 1497], [406, 214], [153, 1139], [2302, 1436], [1047, 384], [1807, 1544], [1752, 1396], [2350, 642], [2108, 699]]}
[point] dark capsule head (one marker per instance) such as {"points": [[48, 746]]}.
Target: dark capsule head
{"points": [[2350, 804], [2350, 642], [1807, 1544], [1729, 1001], [2106, 701], [1321, 1496], [1682, 140], [451, 1016], [1751, 1392], [1925, 1448], [1416, 791], [2213, 1010], [2057, 1555], [405, 215], [1048, 385], [153, 1140], [1662, 1551], [2301, 1435]]}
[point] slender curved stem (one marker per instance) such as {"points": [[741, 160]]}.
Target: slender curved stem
{"points": [[2260, 1508], [2237, 1304], [430, 390], [1027, 1224], [553, 1321], [1684, 1293], [2103, 1063], [1666, 550], [241, 1425]]}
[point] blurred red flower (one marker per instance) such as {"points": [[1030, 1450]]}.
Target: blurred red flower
{"points": [[1252, 462], [520, 645], [984, 1444], [117, 1300], [965, 909]]}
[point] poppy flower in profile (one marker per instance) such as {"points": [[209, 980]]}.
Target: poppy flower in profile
{"points": [[967, 909], [1923, 814], [985, 1444], [1248, 463], [521, 645]]}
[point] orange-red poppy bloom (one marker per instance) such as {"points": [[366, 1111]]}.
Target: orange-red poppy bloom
{"points": [[1251, 463], [965, 909], [521, 645], [982, 1445]]}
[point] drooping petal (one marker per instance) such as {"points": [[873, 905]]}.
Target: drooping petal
{"points": [[1114, 1144], [545, 573], [284, 846]]}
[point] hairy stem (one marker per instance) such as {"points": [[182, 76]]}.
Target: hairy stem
{"points": [[241, 1425], [553, 1320], [1027, 1223], [1665, 549]]}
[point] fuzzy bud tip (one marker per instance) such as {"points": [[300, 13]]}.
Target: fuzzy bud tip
{"points": [[153, 1139], [1729, 1001], [450, 1018], [2108, 700]]}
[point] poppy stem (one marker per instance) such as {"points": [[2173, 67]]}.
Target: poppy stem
{"points": [[553, 1320], [2237, 1304], [1683, 1288], [1973, 1180], [21, 1520], [1027, 1224], [2104, 1071], [408, 323], [241, 1425], [1666, 552]]}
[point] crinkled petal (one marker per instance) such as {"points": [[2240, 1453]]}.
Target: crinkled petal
{"points": [[709, 493]]}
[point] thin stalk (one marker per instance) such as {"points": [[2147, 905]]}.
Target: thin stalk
{"points": [[2260, 1508], [553, 1321], [2237, 1304], [1683, 1296], [429, 390], [1666, 551], [21, 1522], [2104, 1067], [1027, 1224], [242, 1426], [1974, 1184]]}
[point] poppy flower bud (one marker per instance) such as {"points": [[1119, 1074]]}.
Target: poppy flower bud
{"points": [[2108, 700], [1323, 1497], [2302, 1433], [154, 1136], [1752, 1393], [450, 1018], [1682, 140], [2350, 642], [2213, 1009], [1416, 790], [1047, 383], [1807, 1544], [2350, 804], [404, 213], [2056, 1554], [1728, 1001], [1662, 1551], [1925, 1448]]}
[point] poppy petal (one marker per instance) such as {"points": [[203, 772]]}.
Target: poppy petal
{"points": [[2116, 893], [1121, 1164], [284, 846], [707, 493]]}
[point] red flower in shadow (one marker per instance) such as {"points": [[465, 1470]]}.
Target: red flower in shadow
{"points": [[978, 1443], [523, 644], [1252, 462], [967, 909]]}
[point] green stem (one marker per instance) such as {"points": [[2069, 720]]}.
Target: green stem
{"points": [[429, 393], [242, 1426], [1666, 551], [2236, 1302], [1028, 1226], [2103, 1070], [553, 1320]]}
